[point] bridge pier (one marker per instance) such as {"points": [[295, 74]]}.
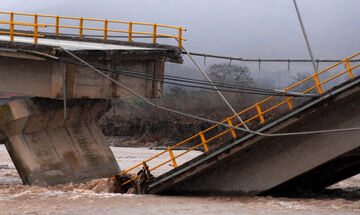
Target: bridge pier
{"points": [[48, 150]]}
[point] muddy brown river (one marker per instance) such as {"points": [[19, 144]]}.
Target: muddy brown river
{"points": [[92, 198]]}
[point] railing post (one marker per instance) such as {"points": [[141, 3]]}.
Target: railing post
{"points": [[12, 27], [130, 32], [57, 25], [35, 28], [81, 27], [144, 165], [105, 29], [146, 170], [172, 158], [154, 34], [349, 69], [288, 100], [203, 140], [232, 130], [317, 82], [261, 116], [180, 37]]}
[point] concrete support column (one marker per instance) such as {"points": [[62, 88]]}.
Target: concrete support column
{"points": [[48, 150]]}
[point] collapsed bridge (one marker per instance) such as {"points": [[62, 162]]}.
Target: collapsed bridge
{"points": [[51, 133]]}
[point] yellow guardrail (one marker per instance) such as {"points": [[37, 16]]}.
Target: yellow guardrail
{"points": [[56, 24], [260, 114]]}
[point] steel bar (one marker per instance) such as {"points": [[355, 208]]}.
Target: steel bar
{"points": [[63, 71], [266, 59], [306, 38]]}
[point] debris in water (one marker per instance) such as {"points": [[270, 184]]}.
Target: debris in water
{"points": [[138, 186]]}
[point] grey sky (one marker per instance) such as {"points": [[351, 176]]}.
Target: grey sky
{"points": [[242, 28], [248, 28]]}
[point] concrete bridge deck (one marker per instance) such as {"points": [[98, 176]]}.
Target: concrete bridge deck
{"points": [[256, 165], [74, 45]]}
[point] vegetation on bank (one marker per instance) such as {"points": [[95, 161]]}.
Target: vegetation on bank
{"points": [[135, 123]]}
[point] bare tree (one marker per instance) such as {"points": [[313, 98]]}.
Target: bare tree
{"points": [[230, 74]]}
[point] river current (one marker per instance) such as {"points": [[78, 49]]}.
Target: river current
{"points": [[92, 197]]}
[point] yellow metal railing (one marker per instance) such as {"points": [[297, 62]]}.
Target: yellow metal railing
{"points": [[81, 26], [260, 114]]}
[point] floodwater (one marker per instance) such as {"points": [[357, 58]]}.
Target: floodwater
{"points": [[92, 198]]}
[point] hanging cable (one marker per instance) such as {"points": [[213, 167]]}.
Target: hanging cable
{"points": [[214, 86], [176, 79], [259, 65], [222, 87], [209, 120], [237, 88], [289, 65], [266, 59]]}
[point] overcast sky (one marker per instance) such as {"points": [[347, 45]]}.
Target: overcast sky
{"points": [[247, 28], [241, 28]]}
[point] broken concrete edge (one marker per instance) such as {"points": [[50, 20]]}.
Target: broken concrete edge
{"points": [[51, 51], [116, 42], [325, 175], [11, 98], [206, 160], [107, 41], [171, 53]]}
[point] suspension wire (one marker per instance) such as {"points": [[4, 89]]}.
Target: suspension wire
{"points": [[200, 82], [305, 37], [210, 81], [266, 59], [160, 78], [250, 91], [253, 92], [167, 77], [222, 87], [205, 119]]}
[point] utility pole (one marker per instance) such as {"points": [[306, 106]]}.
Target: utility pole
{"points": [[306, 38]]}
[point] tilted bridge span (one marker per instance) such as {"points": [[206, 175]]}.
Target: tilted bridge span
{"points": [[293, 146]]}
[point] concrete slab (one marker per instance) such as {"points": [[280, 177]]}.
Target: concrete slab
{"points": [[258, 164], [74, 45]]}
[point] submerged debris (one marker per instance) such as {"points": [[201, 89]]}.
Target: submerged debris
{"points": [[138, 186]]}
